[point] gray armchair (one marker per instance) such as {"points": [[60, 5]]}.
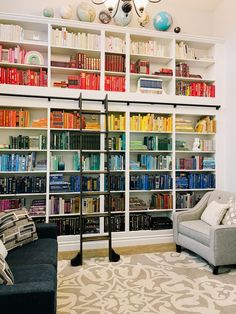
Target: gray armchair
{"points": [[216, 244]]}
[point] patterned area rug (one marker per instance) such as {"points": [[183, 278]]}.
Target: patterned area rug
{"points": [[164, 283]]}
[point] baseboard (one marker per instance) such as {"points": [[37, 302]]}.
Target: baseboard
{"points": [[71, 243]]}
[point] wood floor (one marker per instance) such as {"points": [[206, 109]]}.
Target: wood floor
{"points": [[166, 247]]}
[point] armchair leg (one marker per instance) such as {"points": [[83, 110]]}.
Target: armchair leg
{"points": [[215, 270], [178, 248]]}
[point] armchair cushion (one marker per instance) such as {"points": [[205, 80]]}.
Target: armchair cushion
{"points": [[214, 213], [197, 230]]}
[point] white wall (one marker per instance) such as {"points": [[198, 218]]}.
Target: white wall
{"points": [[188, 14], [225, 26]]}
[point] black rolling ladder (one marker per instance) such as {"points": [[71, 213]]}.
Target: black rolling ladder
{"points": [[113, 256]]}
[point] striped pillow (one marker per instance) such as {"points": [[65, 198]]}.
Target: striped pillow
{"points": [[6, 276], [17, 228]]}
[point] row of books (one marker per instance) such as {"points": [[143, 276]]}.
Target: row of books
{"points": [[114, 44], [150, 162], [200, 89], [117, 223], [70, 140], [195, 181], [151, 48], [37, 207], [23, 77], [117, 182], [10, 32], [187, 200], [65, 38], [81, 81], [161, 201], [116, 122], [114, 83], [184, 51], [117, 162], [14, 118], [151, 143], [140, 66], [150, 182], [151, 122], [9, 203], [18, 162], [21, 185], [66, 119], [28, 142], [115, 63], [116, 143], [13, 55], [195, 163], [182, 70], [60, 205]]}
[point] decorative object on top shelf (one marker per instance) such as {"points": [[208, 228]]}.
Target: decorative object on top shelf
{"points": [[104, 17], [66, 12], [144, 19], [177, 29], [86, 12], [48, 12], [162, 21], [120, 10], [34, 58], [122, 18]]}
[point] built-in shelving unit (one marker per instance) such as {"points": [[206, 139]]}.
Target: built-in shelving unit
{"points": [[75, 57]]}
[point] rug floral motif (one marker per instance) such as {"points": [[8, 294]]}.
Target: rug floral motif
{"points": [[165, 283]]}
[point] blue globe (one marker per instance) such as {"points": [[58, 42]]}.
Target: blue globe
{"points": [[162, 21]]}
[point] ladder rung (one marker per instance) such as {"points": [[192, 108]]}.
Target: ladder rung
{"points": [[88, 215], [95, 238], [95, 193]]}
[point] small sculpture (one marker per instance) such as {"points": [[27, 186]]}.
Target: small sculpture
{"points": [[196, 144], [177, 29]]}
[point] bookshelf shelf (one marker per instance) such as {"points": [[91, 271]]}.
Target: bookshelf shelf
{"points": [[61, 70], [197, 63]]}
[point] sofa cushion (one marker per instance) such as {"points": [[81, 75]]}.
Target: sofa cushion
{"points": [[214, 213], [32, 273], [6, 276], [42, 251], [197, 230], [3, 250], [16, 228]]}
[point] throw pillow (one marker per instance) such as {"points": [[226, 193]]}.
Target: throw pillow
{"points": [[17, 228], [6, 276], [214, 213], [3, 250], [230, 216]]}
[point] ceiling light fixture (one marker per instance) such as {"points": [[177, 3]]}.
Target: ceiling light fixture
{"points": [[126, 5]]}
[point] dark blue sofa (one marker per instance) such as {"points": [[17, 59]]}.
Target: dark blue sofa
{"points": [[34, 267]]}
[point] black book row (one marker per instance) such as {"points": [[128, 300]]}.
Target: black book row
{"points": [[21, 185]]}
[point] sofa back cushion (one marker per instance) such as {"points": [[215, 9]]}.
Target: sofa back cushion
{"points": [[17, 228], [6, 276], [214, 213]]}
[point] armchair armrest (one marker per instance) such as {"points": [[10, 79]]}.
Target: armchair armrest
{"points": [[223, 244], [46, 230]]}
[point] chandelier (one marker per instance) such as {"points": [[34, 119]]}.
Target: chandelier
{"points": [[126, 5]]}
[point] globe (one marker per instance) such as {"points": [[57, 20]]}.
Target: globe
{"points": [[66, 12], [48, 12], [86, 12], [122, 19], [162, 21]]}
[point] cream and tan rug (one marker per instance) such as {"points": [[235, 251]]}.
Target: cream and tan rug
{"points": [[164, 283]]}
